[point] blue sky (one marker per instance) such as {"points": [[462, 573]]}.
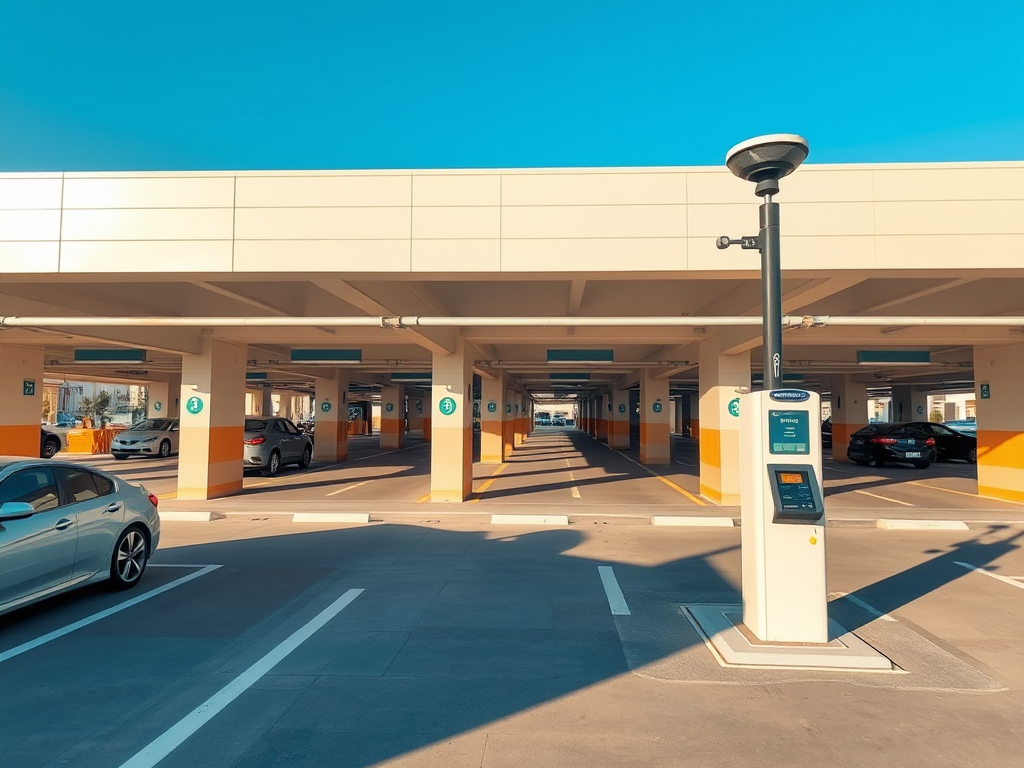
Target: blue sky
{"points": [[219, 84]]}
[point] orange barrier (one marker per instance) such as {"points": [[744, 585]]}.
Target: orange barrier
{"points": [[91, 441]]}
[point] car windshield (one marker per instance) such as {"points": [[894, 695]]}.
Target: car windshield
{"points": [[153, 425], [875, 429], [255, 425]]}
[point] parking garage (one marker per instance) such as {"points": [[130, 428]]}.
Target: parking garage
{"points": [[454, 304]]}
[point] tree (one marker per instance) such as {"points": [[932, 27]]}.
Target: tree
{"points": [[95, 407]]}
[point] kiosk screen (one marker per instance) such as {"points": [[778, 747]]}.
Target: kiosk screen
{"points": [[789, 432]]}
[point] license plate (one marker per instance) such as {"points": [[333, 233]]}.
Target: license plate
{"points": [[913, 454]]}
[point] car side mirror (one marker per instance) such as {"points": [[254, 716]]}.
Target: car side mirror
{"points": [[15, 510]]}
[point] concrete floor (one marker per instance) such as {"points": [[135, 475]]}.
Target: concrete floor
{"points": [[482, 646]]}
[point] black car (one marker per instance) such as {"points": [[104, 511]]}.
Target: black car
{"points": [[826, 433], [878, 444], [49, 444], [949, 444]]}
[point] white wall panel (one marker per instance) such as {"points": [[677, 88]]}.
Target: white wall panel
{"points": [[148, 224], [949, 184], [311, 191], [146, 257], [29, 193], [966, 252], [481, 189], [29, 257], [30, 225], [322, 223], [322, 255], [735, 220], [594, 221], [165, 192], [453, 223], [963, 217], [831, 253], [703, 256], [456, 255], [823, 218], [593, 188], [565, 255]]}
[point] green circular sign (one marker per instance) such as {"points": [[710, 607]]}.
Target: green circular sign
{"points": [[325, 407], [622, 407], [657, 406], [734, 407], [389, 407], [157, 406], [447, 406], [492, 407], [193, 405]]}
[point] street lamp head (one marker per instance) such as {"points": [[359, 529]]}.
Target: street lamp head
{"points": [[766, 159]]}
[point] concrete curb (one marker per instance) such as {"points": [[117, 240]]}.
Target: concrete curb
{"points": [[529, 519], [331, 517], [190, 517], [694, 522], [922, 525]]}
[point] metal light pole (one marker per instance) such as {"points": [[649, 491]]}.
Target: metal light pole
{"points": [[764, 160]]}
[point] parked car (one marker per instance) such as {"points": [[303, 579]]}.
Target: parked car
{"points": [[49, 444], [949, 443], [879, 444], [271, 442], [826, 433], [542, 421], [963, 426], [63, 526], [149, 437], [558, 420]]}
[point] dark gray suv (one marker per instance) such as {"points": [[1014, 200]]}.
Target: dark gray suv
{"points": [[271, 441]]}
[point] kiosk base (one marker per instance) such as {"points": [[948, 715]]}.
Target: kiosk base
{"points": [[734, 645]]}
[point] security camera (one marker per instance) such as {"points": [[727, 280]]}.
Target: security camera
{"points": [[766, 159]]}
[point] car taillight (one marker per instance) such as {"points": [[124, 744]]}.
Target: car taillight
{"points": [[154, 500], [256, 440], [884, 440], [930, 441]]}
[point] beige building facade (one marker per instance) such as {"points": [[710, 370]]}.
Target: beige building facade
{"points": [[328, 281]]}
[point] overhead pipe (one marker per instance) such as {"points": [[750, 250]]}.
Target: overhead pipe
{"points": [[414, 321]]}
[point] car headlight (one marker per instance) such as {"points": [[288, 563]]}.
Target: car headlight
{"points": [[149, 440]]}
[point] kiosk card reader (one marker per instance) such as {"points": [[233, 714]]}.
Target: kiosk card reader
{"points": [[783, 515]]}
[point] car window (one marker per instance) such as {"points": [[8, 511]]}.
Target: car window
{"points": [[104, 487], [920, 429], [78, 483], [940, 430], [290, 428], [872, 429], [31, 486], [255, 425]]}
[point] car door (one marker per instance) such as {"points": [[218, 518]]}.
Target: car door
{"points": [[950, 443], [298, 440], [172, 435], [36, 552], [100, 515]]}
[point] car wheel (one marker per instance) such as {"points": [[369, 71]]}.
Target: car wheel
{"points": [[878, 463], [121, 456], [50, 448], [307, 457], [273, 464], [165, 449], [972, 455], [131, 553], [922, 464]]}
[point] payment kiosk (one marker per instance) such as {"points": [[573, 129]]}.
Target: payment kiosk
{"points": [[783, 517]]}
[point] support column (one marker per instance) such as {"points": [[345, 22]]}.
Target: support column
{"points": [[695, 415], [427, 416], [849, 413], [655, 440], [21, 400], [618, 420], [603, 407], [331, 436], [517, 407], [163, 400], [680, 404], [451, 449], [392, 417], [265, 401], [492, 419], [212, 421], [720, 376], [908, 405], [508, 426], [415, 412], [999, 395]]}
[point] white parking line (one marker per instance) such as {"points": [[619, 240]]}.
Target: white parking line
{"points": [[616, 600], [20, 649], [347, 488], [869, 608], [982, 571], [685, 464], [176, 735], [885, 498]]}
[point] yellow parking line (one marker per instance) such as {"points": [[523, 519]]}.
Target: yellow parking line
{"points": [[172, 495], [423, 498], [963, 493], [487, 483], [665, 480]]}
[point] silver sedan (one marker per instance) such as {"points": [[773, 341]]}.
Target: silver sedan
{"points": [[270, 442], [149, 437], [63, 526]]}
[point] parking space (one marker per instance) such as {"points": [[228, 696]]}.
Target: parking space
{"points": [[464, 645]]}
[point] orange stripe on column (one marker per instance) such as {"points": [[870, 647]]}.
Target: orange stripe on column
{"points": [[1001, 448], [20, 440], [226, 444], [711, 448]]}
